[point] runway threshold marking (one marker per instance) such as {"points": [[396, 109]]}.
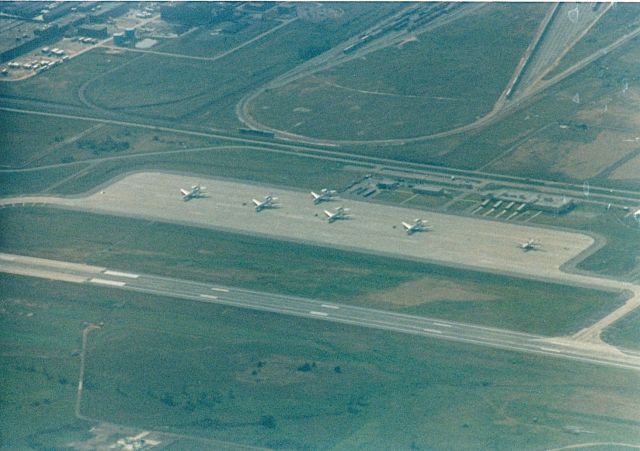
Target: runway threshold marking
{"points": [[313, 312], [335, 307], [222, 290], [121, 274], [432, 331], [208, 296], [113, 283]]}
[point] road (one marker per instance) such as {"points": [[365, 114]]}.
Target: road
{"points": [[308, 308], [604, 195], [499, 111]]}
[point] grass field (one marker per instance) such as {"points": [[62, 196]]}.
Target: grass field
{"points": [[569, 148], [29, 138], [282, 382], [35, 181], [156, 86], [303, 270], [234, 162], [447, 80], [105, 141], [625, 332], [619, 258], [616, 22], [556, 138]]}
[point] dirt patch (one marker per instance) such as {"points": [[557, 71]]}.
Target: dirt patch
{"points": [[586, 160], [628, 171], [426, 290]]}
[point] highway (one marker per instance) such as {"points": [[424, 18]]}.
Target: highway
{"points": [[308, 308], [49, 109]]}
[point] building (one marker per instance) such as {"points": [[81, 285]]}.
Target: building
{"points": [[130, 34], [535, 201], [119, 39], [430, 190], [93, 31], [197, 13], [387, 184]]}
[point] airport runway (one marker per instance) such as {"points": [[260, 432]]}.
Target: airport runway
{"points": [[308, 308], [466, 242]]}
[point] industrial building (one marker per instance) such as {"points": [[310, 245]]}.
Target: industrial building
{"points": [[430, 190], [535, 201]]}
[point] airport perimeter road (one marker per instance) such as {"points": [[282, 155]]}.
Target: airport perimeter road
{"points": [[301, 307]]}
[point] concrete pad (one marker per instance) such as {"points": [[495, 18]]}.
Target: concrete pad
{"points": [[374, 227]]}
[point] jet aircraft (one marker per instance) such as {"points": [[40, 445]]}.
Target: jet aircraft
{"points": [[269, 201], [324, 195], [529, 245], [195, 191], [338, 213], [419, 225]]}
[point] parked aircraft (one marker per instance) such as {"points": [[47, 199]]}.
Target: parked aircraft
{"points": [[338, 213], [419, 225], [269, 202], [324, 195], [529, 245], [195, 191]]}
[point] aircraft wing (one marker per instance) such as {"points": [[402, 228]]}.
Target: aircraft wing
{"points": [[406, 226], [184, 192], [256, 202]]}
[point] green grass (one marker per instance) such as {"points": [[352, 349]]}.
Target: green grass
{"points": [[216, 372], [26, 138], [619, 258], [625, 332], [446, 80], [256, 165], [619, 20], [296, 269], [34, 181], [107, 141], [156, 86]]}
